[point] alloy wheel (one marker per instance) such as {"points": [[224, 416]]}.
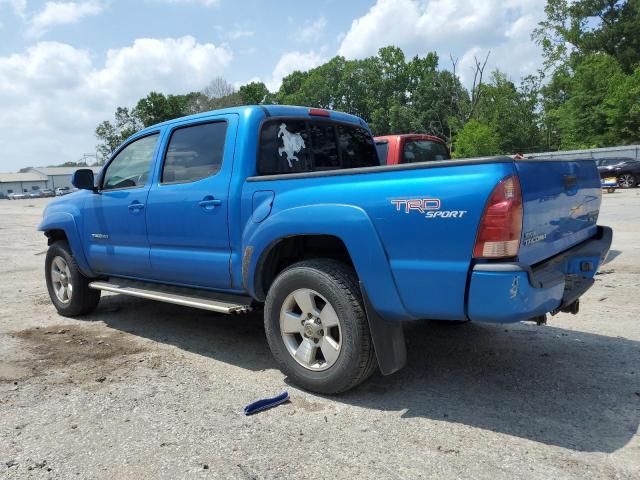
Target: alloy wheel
{"points": [[61, 279], [310, 329]]}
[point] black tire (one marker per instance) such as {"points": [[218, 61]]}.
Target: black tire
{"points": [[338, 284], [83, 299]]}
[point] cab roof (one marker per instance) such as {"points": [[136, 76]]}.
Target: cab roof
{"points": [[267, 110]]}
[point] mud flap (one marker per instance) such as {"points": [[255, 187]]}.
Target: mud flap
{"points": [[388, 339]]}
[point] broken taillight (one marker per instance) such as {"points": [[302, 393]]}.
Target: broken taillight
{"points": [[500, 227]]}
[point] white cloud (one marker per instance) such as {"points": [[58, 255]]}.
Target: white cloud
{"points": [[289, 62], [459, 27], [54, 95], [313, 31], [61, 13]]}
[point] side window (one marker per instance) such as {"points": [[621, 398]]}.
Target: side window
{"points": [[324, 146], [424, 151], [194, 153], [284, 147], [356, 147], [130, 168]]}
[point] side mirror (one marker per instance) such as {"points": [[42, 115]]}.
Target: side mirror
{"points": [[83, 179]]}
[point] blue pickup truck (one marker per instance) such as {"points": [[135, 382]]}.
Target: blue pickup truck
{"points": [[288, 209]]}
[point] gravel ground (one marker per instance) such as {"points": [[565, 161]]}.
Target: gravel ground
{"points": [[148, 390]]}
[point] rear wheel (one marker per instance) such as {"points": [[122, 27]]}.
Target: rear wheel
{"points": [[626, 180], [317, 328], [68, 288]]}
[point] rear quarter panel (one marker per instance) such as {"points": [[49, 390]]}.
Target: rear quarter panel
{"points": [[399, 250]]}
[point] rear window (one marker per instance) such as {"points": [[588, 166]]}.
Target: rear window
{"points": [[424, 151], [383, 151], [299, 145]]}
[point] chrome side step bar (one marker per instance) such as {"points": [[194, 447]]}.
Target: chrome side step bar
{"points": [[203, 299]]}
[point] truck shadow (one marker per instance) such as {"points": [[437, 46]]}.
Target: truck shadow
{"points": [[576, 390]]}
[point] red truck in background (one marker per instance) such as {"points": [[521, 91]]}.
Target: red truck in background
{"points": [[410, 148]]}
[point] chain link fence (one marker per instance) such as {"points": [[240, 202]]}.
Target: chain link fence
{"points": [[628, 152]]}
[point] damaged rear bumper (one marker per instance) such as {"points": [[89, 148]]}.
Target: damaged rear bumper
{"points": [[512, 292]]}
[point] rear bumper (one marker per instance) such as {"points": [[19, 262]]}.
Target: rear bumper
{"points": [[511, 292]]}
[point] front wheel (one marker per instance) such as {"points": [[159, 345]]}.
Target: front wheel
{"points": [[626, 180], [317, 328], [68, 288]]}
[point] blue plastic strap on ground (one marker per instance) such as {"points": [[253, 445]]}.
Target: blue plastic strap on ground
{"points": [[266, 403]]}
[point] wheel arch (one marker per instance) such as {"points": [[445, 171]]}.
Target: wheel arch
{"points": [[286, 251], [62, 226], [346, 233]]}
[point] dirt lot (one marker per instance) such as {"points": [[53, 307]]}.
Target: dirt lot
{"points": [[147, 390]]}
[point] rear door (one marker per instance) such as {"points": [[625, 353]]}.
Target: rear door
{"points": [[561, 201], [188, 206]]}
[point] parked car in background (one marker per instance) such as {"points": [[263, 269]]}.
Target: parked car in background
{"points": [[18, 195], [288, 208], [36, 194], [626, 171], [47, 192], [60, 191], [410, 148]]}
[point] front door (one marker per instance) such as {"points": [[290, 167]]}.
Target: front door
{"points": [[114, 221], [188, 205]]}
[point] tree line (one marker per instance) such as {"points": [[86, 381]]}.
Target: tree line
{"points": [[587, 94]]}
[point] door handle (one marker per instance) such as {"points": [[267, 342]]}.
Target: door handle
{"points": [[210, 202], [136, 206]]}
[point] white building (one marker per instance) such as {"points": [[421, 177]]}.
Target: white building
{"points": [[22, 182], [59, 176]]}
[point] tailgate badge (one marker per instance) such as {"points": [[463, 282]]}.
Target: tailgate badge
{"points": [[532, 237]]}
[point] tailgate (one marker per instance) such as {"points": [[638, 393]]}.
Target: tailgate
{"points": [[561, 201]]}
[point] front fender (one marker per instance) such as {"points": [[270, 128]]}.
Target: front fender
{"points": [[66, 222], [350, 224]]}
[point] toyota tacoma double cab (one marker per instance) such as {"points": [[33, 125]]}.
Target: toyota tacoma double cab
{"points": [[287, 209]]}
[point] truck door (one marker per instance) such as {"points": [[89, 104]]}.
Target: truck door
{"points": [[115, 229], [188, 205]]}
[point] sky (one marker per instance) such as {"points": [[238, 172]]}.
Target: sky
{"points": [[66, 65]]}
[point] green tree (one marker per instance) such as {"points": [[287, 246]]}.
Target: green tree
{"points": [[511, 112], [157, 107], [583, 120], [254, 93], [112, 134], [476, 140], [623, 109], [574, 29]]}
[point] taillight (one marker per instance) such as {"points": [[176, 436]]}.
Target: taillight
{"points": [[501, 224]]}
